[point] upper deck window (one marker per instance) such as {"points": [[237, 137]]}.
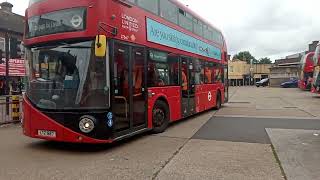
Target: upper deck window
{"points": [[33, 1], [150, 5], [132, 1], [185, 20], [169, 11], [208, 33], [67, 20], [217, 37], [198, 27]]}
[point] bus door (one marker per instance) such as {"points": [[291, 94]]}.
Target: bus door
{"points": [[226, 84], [187, 87], [129, 102]]}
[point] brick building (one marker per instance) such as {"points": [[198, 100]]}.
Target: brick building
{"points": [[13, 25]]}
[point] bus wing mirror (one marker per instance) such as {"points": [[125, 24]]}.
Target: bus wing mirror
{"points": [[100, 45]]}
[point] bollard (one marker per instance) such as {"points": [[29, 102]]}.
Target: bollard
{"points": [[15, 108]]}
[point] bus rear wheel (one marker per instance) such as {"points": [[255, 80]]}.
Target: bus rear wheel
{"points": [[218, 102], [160, 117]]}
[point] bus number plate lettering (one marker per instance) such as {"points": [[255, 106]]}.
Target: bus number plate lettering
{"points": [[45, 133]]}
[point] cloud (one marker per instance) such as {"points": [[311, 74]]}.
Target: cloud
{"points": [[19, 6], [267, 28]]}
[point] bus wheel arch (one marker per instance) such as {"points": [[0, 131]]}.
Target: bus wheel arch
{"points": [[160, 115], [218, 100]]}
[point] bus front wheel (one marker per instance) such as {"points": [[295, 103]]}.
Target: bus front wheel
{"points": [[160, 117]]}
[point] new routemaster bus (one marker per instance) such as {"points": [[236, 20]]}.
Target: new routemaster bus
{"points": [[316, 73], [306, 74], [103, 70]]}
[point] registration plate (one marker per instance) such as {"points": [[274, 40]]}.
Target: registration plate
{"points": [[45, 133]]}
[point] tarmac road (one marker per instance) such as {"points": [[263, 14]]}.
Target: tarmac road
{"points": [[229, 144]]}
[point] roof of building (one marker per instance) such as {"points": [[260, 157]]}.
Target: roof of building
{"points": [[290, 61], [11, 22]]}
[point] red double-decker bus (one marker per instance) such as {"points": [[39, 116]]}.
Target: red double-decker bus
{"points": [[306, 75], [316, 74], [103, 70]]}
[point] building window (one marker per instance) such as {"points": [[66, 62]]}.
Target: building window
{"points": [[185, 20], [15, 48], [150, 5], [2, 44], [163, 69], [169, 11], [231, 69]]}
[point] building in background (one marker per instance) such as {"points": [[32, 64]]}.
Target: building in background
{"points": [[240, 72], [289, 67], [12, 25]]}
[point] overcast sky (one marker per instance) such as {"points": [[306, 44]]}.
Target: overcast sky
{"points": [[266, 28]]}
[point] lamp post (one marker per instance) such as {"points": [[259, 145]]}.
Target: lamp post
{"points": [[7, 39], [251, 71]]}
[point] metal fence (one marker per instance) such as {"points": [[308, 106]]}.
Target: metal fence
{"points": [[7, 110]]}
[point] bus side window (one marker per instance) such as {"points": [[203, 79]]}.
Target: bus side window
{"points": [[163, 69], [198, 71], [217, 73], [173, 62], [208, 72]]}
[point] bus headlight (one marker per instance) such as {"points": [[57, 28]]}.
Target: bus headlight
{"points": [[87, 124]]}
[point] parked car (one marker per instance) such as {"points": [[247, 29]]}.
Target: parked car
{"points": [[292, 83], [263, 82]]}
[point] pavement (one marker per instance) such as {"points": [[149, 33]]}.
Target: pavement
{"points": [[271, 102], [228, 144], [298, 151]]}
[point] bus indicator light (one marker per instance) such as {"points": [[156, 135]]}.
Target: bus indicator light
{"points": [[101, 45], [110, 119], [209, 96]]}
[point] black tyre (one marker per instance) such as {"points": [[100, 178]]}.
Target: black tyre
{"points": [[160, 117], [218, 102]]}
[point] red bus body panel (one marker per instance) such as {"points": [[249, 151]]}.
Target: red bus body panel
{"points": [[39, 121], [173, 98], [308, 68]]}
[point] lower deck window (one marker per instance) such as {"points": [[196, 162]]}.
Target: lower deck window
{"points": [[163, 69]]}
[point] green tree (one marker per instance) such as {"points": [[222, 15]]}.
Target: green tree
{"points": [[245, 56], [265, 60]]}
